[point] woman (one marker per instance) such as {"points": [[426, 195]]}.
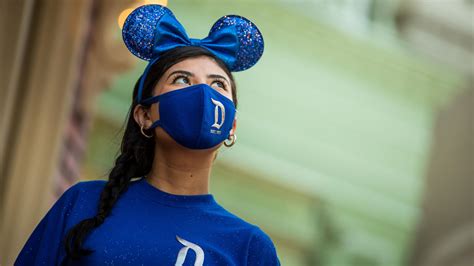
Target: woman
{"points": [[155, 208]]}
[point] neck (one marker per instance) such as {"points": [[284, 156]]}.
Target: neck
{"points": [[181, 171]]}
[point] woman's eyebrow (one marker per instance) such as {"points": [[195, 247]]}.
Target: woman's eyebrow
{"points": [[192, 75], [181, 72]]}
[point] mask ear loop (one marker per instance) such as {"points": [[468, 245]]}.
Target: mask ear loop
{"points": [[151, 100]]}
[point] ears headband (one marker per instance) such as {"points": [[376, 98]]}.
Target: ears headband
{"points": [[151, 30]]}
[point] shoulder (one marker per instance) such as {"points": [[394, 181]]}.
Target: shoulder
{"points": [[80, 190], [260, 238], [87, 190], [231, 219], [261, 249], [88, 186], [83, 190], [80, 200], [45, 243]]}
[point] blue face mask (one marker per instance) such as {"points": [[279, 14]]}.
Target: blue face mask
{"points": [[197, 117]]}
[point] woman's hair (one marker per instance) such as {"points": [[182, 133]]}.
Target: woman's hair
{"points": [[136, 151]]}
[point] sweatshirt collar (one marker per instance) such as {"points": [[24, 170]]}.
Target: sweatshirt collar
{"points": [[155, 194]]}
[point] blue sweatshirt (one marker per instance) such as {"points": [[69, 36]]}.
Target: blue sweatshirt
{"points": [[148, 226]]}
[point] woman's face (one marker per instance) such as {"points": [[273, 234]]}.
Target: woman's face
{"points": [[188, 72]]}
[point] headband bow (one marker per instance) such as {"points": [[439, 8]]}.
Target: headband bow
{"points": [[151, 30]]}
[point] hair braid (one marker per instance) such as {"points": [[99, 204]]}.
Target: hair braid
{"points": [[129, 164]]}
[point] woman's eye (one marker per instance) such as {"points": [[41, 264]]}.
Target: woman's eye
{"points": [[220, 84], [181, 80]]}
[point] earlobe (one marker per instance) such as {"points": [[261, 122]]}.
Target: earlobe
{"points": [[234, 126], [141, 116]]}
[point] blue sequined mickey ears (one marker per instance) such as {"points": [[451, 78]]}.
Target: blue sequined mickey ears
{"points": [[250, 40], [151, 30], [138, 30]]}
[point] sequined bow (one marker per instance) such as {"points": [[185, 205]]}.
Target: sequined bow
{"points": [[151, 30]]}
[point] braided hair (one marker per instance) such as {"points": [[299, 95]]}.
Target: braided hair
{"points": [[136, 151]]}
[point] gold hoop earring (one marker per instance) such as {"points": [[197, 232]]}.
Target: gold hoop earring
{"points": [[143, 133], [233, 139]]}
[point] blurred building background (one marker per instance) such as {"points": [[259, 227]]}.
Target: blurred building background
{"points": [[355, 128]]}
